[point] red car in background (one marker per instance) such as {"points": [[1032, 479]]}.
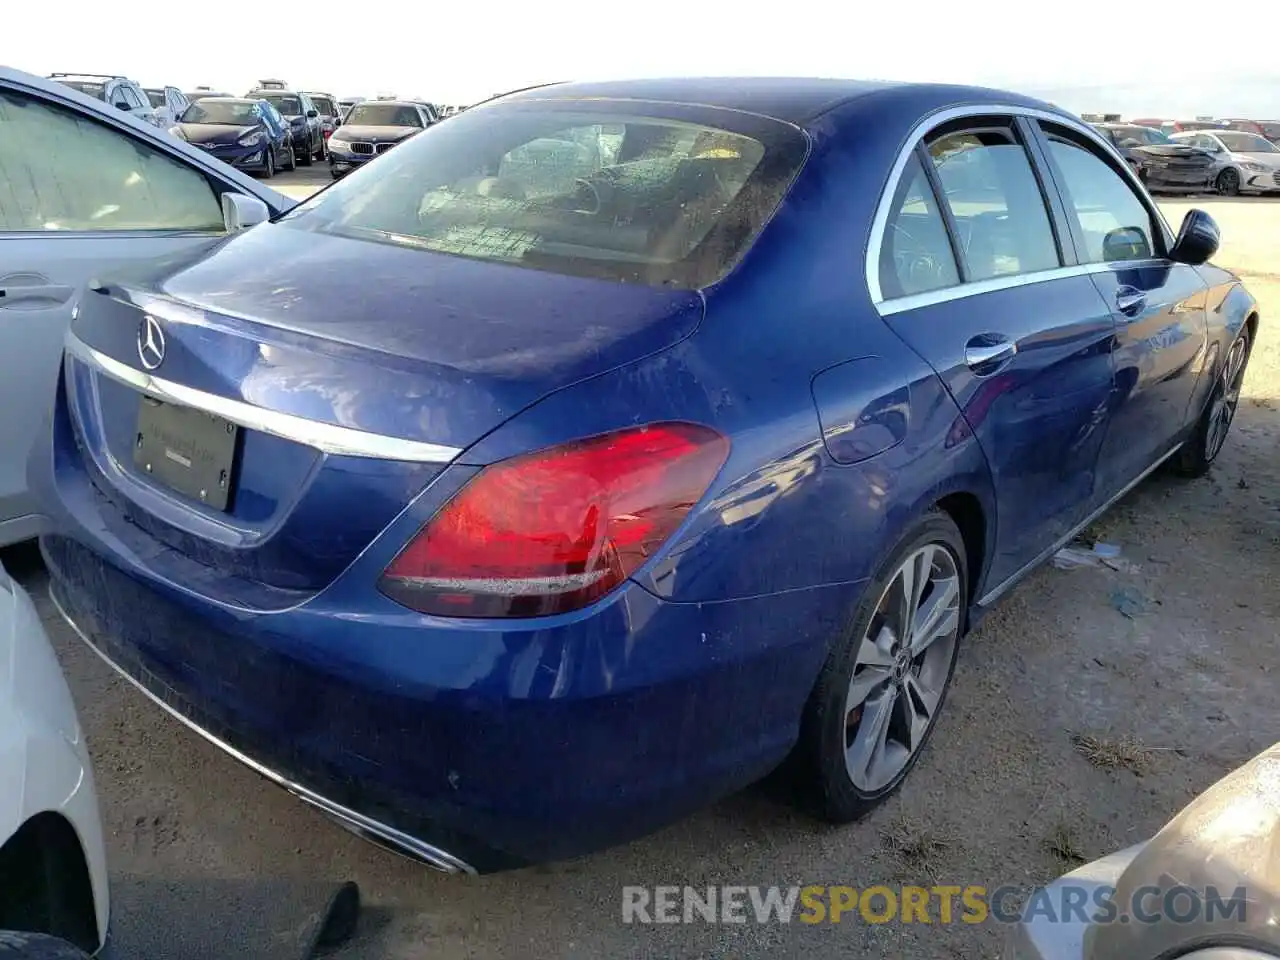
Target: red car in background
{"points": [[1268, 129]]}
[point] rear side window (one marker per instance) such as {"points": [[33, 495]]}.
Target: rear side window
{"points": [[593, 188], [916, 255], [1002, 224], [1113, 221]]}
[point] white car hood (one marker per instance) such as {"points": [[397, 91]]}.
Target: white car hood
{"points": [[1269, 160]]}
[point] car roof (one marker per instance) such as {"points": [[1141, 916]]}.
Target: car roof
{"points": [[390, 103], [795, 100]]}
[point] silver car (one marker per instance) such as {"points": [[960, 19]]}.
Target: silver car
{"points": [[1246, 162], [86, 189], [1206, 887]]}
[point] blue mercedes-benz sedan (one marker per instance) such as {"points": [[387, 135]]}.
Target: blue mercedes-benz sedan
{"points": [[595, 452]]}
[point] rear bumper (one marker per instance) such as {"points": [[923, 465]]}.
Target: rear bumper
{"points": [[482, 749]]}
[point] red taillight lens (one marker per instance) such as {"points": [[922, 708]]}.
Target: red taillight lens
{"points": [[557, 529]]}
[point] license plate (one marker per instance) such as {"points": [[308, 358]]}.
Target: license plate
{"points": [[187, 450]]}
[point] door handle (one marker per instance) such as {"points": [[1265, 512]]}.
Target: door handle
{"points": [[987, 354], [52, 293], [1130, 301]]}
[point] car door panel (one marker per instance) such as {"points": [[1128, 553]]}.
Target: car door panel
{"points": [[1019, 338], [1158, 307], [80, 199], [1038, 415], [35, 310], [1160, 341]]}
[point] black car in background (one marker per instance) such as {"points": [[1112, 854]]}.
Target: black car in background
{"points": [[239, 131], [1163, 165], [373, 127], [326, 105], [304, 121]]}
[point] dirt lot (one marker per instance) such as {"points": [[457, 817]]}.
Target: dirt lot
{"points": [[1185, 677]]}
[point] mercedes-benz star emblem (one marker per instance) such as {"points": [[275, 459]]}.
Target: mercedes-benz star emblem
{"points": [[150, 342]]}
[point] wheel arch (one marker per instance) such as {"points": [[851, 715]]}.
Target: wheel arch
{"points": [[45, 882]]}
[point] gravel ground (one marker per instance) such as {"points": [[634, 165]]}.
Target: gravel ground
{"points": [[1002, 796]]}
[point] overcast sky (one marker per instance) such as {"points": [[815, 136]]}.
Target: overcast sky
{"points": [[1085, 55]]}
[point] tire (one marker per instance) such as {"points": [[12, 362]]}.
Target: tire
{"points": [[1228, 183], [1210, 435], [269, 167], [321, 153], [866, 678], [304, 159], [293, 161]]}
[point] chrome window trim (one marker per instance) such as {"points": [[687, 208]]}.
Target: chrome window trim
{"points": [[325, 437], [929, 298], [890, 305]]}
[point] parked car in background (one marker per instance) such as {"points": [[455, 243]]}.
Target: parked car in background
{"points": [[239, 131], [140, 194], [346, 105], [330, 115], [201, 92], [1269, 129], [496, 540], [1134, 903], [304, 121], [120, 92], [1246, 162], [53, 867], [1160, 163], [373, 127], [168, 103]]}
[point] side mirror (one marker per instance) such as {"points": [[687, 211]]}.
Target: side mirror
{"points": [[121, 105], [1125, 243], [311, 114], [1198, 239], [241, 211]]}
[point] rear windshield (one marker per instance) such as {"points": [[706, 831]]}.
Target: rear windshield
{"points": [[603, 189], [219, 111], [156, 97], [289, 106], [383, 115], [92, 89]]}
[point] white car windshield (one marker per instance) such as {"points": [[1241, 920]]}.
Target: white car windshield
{"points": [[1247, 143]]}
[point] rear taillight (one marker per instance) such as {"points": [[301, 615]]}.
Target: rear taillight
{"points": [[555, 530]]}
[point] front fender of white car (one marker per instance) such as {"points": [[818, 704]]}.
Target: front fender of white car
{"points": [[44, 764]]}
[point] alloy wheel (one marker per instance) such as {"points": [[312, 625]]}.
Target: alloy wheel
{"points": [[1227, 396], [902, 667], [1228, 183]]}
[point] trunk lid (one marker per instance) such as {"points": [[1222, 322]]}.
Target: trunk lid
{"points": [[385, 343]]}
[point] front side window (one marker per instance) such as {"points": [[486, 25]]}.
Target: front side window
{"points": [[60, 171], [595, 188], [131, 97], [1115, 223], [1001, 222], [915, 254]]}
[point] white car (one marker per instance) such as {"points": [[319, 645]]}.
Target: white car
{"points": [[86, 189], [1247, 163], [53, 869], [168, 103]]}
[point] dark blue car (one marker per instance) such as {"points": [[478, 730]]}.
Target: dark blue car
{"points": [[593, 453], [242, 132]]}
